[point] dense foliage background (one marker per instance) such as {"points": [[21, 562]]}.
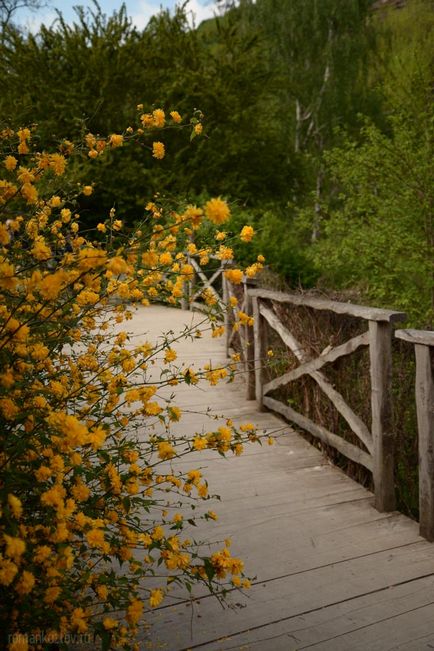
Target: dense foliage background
{"points": [[320, 117]]}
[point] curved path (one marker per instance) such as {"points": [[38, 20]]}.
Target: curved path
{"points": [[332, 572]]}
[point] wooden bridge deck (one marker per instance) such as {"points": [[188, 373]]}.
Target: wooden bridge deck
{"points": [[332, 573]]}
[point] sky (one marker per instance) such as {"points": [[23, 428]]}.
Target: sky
{"points": [[139, 11]]}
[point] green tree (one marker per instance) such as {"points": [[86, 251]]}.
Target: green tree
{"points": [[379, 233], [320, 48]]}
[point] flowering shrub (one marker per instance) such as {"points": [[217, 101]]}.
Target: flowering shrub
{"points": [[86, 483]]}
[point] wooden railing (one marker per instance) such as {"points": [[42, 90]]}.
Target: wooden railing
{"points": [[424, 387], [201, 281], [377, 438], [240, 337], [376, 452]]}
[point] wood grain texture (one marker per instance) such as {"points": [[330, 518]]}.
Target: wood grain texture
{"points": [[361, 311], [380, 351], [332, 572], [425, 423], [424, 337], [356, 424], [348, 449]]}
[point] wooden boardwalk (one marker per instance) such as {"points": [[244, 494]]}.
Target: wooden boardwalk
{"points": [[332, 573]]}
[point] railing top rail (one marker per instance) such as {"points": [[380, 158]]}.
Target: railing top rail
{"points": [[424, 337], [361, 311]]}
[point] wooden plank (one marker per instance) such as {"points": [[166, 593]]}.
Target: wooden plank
{"points": [[294, 595], [360, 311], [357, 425], [424, 337], [380, 351], [328, 564], [340, 351], [391, 633], [425, 423], [348, 449], [382, 620]]}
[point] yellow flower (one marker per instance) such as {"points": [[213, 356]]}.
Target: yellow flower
{"points": [[175, 116], [158, 150], [109, 623], [166, 258], [225, 253], [55, 201], [78, 620], [247, 233], [65, 214], [116, 140], [170, 355], [5, 238], [8, 408], [95, 538], [198, 128], [158, 533], [51, 594], [217, 211], [25, 583], [159, 118], [10, 162], [15, 506], [247, 427], [165, 450], [156, 597], [235, 276], [42, 553], [8, 571], [25, 175], [134, 611], [15, 547], [40, 250], [57, 164], [87, 190], [102, 591], [200, 443]]}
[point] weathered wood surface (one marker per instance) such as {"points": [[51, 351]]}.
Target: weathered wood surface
{"points": [[424, 337], [356, 424], [316, 364], [380, 352], [360, 311], [332, 572], [425, 422], [348, 449]]}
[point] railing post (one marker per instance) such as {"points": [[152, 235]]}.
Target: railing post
{"points": [[380, 350], [423, 341], [249, 352], [425, 422], [260, 352]]}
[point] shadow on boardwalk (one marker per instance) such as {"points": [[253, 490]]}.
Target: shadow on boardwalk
{"points": [[332, 573]]}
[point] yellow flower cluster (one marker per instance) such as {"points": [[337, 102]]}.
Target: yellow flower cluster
{"points": [[81, 464]]}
